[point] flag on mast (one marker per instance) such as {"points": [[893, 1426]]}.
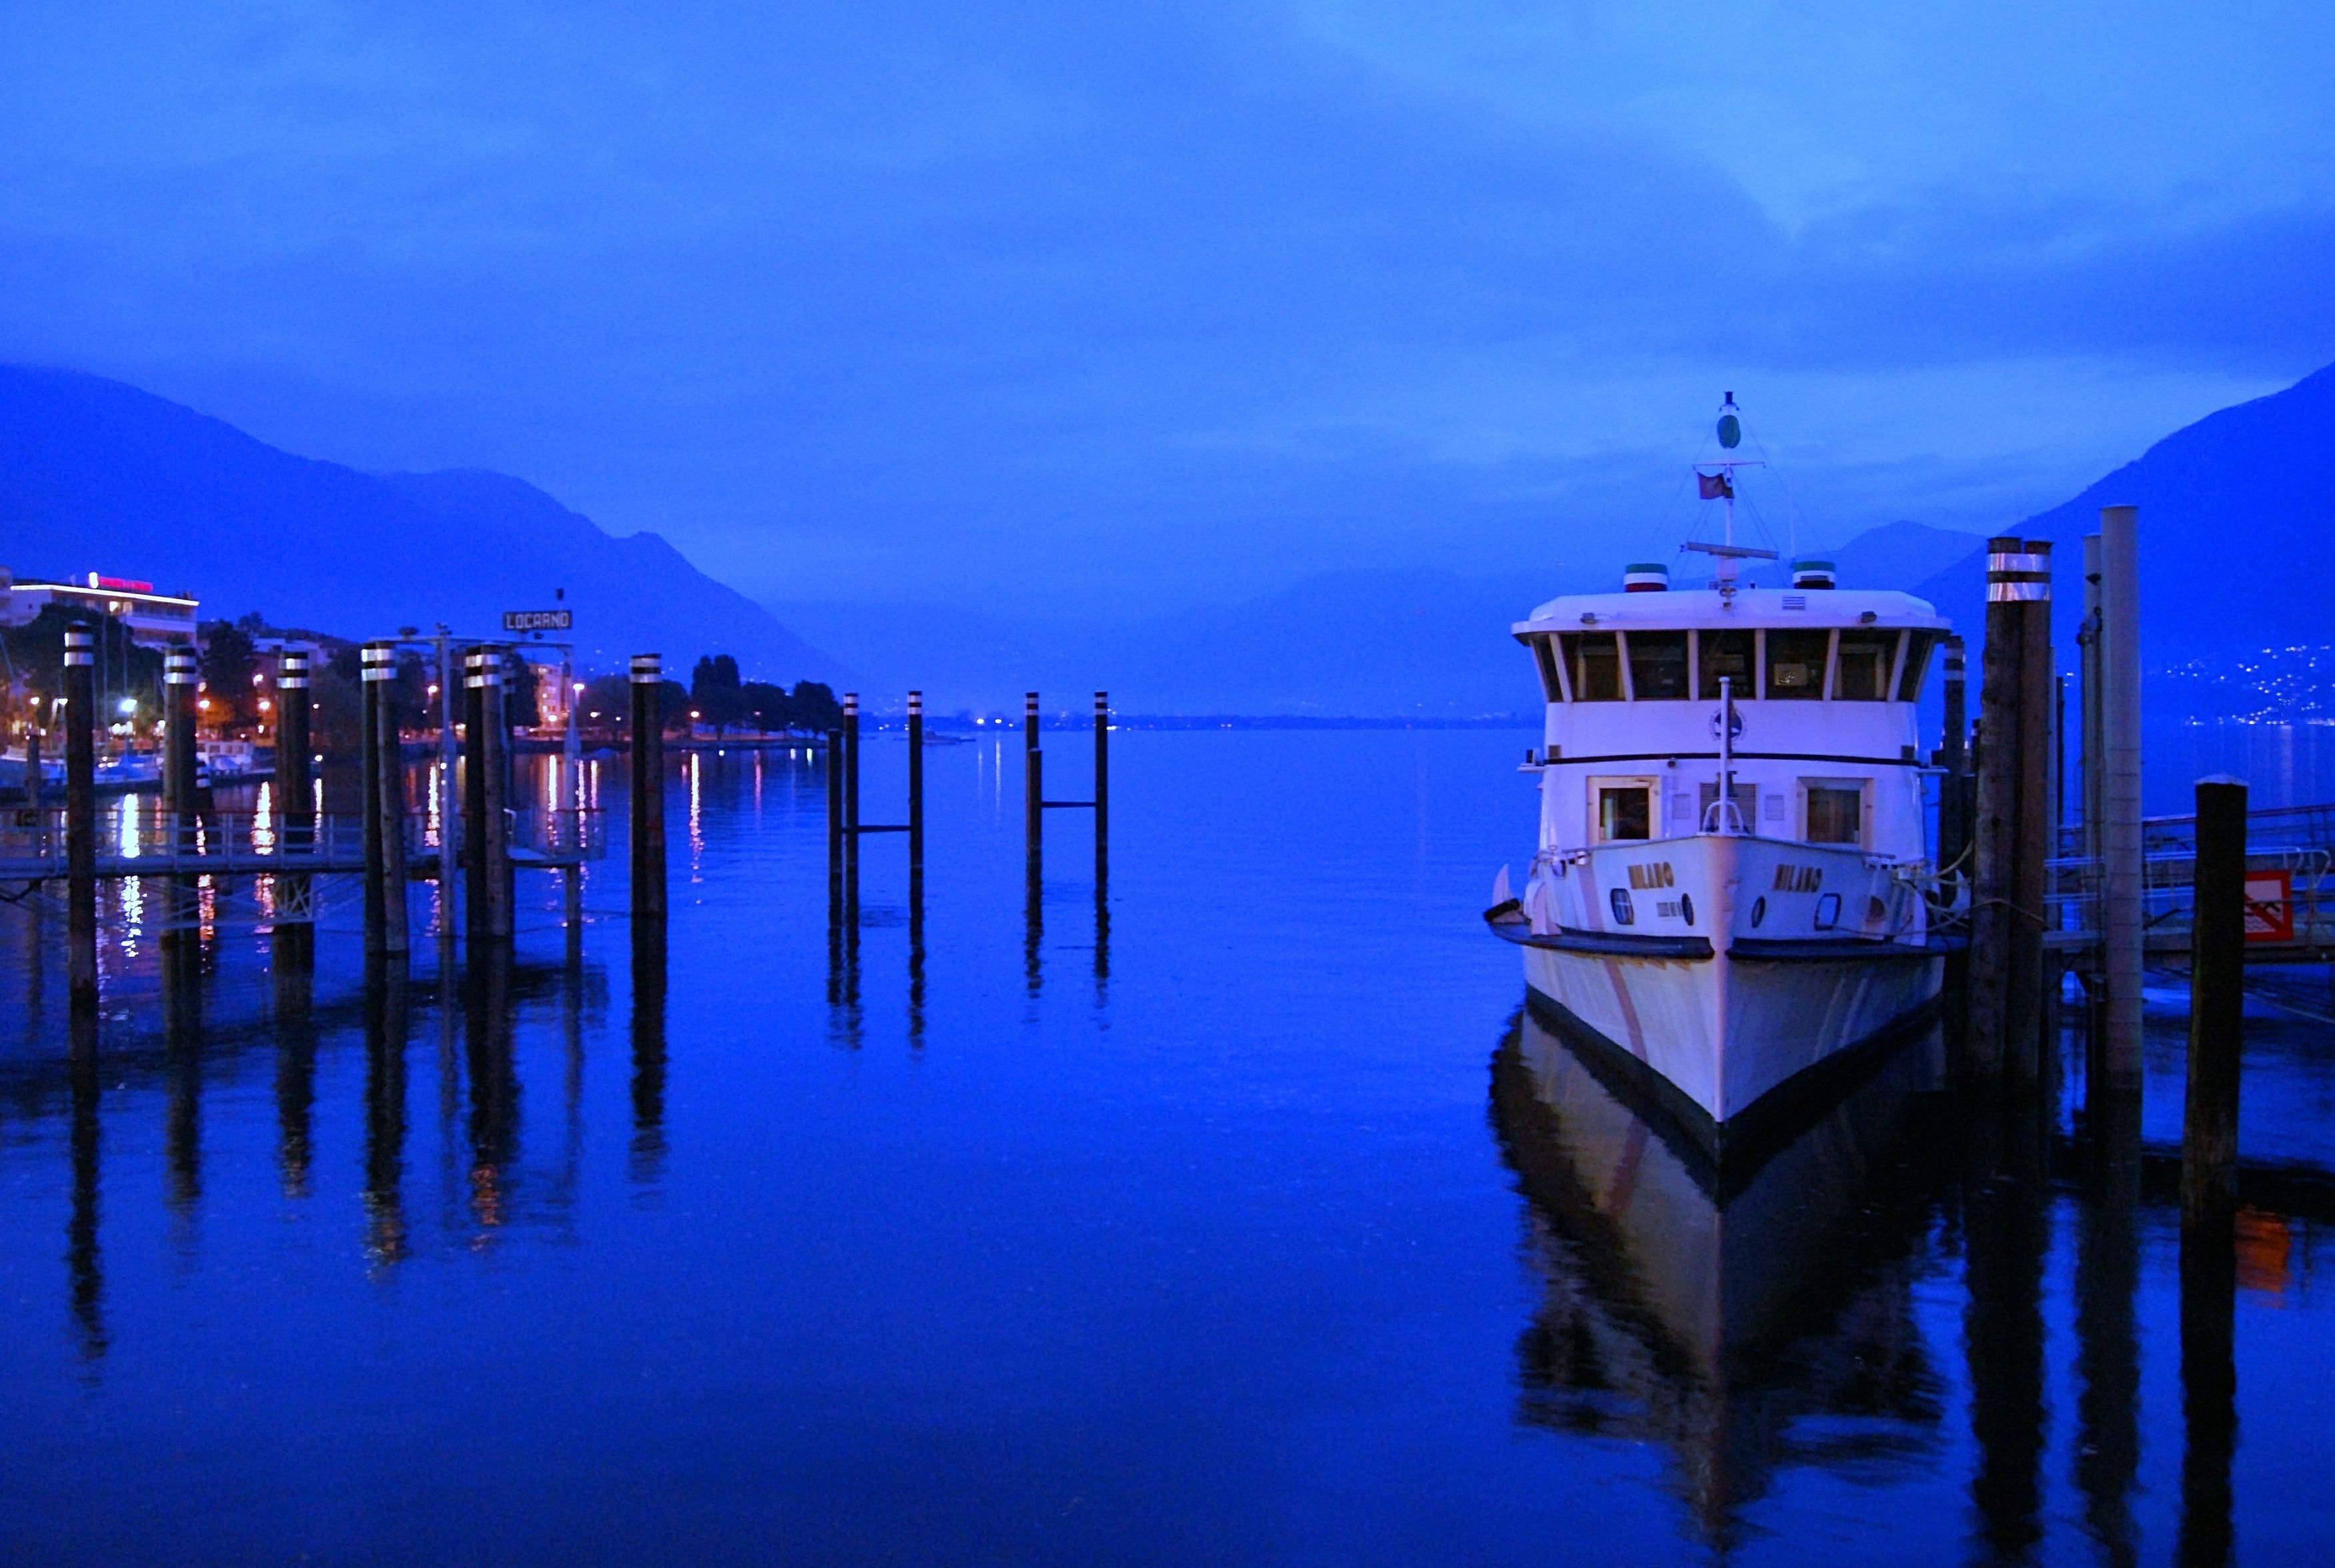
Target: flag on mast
{"points": [[1715, 487]]}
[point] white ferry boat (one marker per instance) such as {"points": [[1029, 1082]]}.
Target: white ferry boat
{"points": [[1733, 884]]}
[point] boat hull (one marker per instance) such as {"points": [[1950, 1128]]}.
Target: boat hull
{"points": [[1727, 1033]]}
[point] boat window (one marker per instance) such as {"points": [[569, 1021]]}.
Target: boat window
{"points": [[1833, 810], [1796, 664], [1658, 666], [1865, 660], [1595, 664], [1746, 808], [1625, 810], [1725, 654], [1917, 659], [1543, 651]]}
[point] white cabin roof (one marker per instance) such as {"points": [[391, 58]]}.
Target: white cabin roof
{"points": [[1703, 609]]}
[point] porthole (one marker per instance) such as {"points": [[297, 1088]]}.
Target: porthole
{"points": [[1759, 912], [1686, 907], [1624, 913], [1828, 912]]}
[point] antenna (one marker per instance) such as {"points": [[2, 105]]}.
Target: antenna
{"points": [[1720, 486]]}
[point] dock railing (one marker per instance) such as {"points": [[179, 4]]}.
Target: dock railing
{"points": [[2290, 893]]}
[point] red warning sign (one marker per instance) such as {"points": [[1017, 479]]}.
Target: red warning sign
{"points": [[2269, 907]]}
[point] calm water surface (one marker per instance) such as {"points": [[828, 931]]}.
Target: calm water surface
{"points": [[1256, 1224]]}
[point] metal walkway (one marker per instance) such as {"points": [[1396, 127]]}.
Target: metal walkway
{"points": [[2290, 888]]}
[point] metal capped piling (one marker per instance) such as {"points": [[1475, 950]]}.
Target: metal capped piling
{"points": [[81, 817], [648, 787]]}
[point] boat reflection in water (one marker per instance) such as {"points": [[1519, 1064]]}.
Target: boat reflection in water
{"points": [[1751, 1313]]}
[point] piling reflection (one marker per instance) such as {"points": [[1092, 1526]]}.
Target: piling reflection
{"points": [[648, 1145], [2209, 1385], [386, 1022], [292, 961], [2107, 1340], [494, 1085], [2006, 1232], [1748, 1316], [84, 1265]]}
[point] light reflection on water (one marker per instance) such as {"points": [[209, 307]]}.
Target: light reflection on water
{"points": [[1256, 1224]]}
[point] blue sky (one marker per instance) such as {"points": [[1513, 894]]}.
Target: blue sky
{"points": [[1078, 309]]}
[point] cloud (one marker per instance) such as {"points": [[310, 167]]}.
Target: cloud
{"points": [[1076, 304]]}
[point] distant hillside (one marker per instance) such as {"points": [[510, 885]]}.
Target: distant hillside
{"points": [[2237, 519], [98, 476]]}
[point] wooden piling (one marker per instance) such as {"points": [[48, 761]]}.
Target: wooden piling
{"points": [[835, 803], [81, 817], [389, 798], [292, 949], [1103, 785], [648, 787], [1033, 790], [2209, 1132], [450, 814], [296, 787], [2121, 931], [375, 670], [180, 677], [35, 787], [916, 793], [474, 792], [2024, 1010], [1953, 758], [494, 754], [850, 765], [1994, 836]]}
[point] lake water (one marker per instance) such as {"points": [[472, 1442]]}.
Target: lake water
{"points": [[1258, 1227]]}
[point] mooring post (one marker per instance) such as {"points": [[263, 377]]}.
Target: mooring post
{"points": [[494, 765], [1103, 785], [1953, 757], [35, 787], [474, 792], [2024, 1011], [2209, 1171], [2217, 941], [291, 948], [915, 792], [179, 678], [2121, 932], [373, 692], [389, 795], [296, 787], [81, 817], [1033, 791], [851, 761], [449, 813], [1995, 839], [835, 804], [648, 787]]}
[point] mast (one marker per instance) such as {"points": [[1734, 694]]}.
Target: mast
{"points": [[1730, 436]]}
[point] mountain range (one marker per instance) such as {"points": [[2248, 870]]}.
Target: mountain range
{"points": [[97, 475]]}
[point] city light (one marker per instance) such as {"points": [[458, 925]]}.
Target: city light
{"points": [[129, 705]]}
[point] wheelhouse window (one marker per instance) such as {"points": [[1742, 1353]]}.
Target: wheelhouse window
{"points": [[1657, 665], [1917, 661], [1796, 664], [1623, 808], [1865, 658], [1727, 654], [1833, 810], [1594, 660], [1543, 653]]}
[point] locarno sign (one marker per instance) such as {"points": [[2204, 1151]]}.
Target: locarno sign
{"points": [[537, 620]]}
